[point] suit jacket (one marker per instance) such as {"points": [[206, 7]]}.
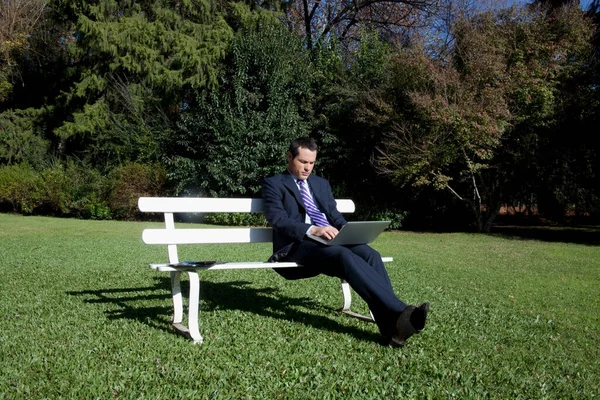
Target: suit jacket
{"points": [[285, 212]]}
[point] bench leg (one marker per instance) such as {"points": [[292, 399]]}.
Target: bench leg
{"points": [[348, 302], [193, 305], [347, 295], [177, 298]]}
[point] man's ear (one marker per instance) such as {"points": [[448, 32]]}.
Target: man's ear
{"points": [[288, 157]]}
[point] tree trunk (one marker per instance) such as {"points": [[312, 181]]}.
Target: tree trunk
{"points": [[307, 26], [493, 213], [476, 208]]}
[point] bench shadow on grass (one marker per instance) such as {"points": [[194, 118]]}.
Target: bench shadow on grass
{"points": [[579, 235], [217, 296]]}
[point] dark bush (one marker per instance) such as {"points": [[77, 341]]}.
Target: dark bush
{"points": [[236, 219], [131, 182]]}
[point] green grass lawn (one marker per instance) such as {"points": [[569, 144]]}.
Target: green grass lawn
{"points": [[82, 316]]}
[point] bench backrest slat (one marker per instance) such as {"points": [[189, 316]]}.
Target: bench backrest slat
{"points": [[172, 235], [197, 236], [211, 205]]}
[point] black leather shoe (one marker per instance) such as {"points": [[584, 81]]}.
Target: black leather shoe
{"points": [[404, 328], [418, 317], [411, 321]]}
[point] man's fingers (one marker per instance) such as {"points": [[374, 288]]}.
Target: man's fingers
{"points": [[331, 232], [328, 232]]}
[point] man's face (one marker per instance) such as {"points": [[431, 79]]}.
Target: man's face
{"points": [[302, 165]]}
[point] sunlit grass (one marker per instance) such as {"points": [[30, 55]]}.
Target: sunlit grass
{"points": [[84, 317]]}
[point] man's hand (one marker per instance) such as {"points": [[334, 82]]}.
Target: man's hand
{"points": [[326, 232]]}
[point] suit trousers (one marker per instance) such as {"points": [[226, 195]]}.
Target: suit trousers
{"points": [[362, 268]]}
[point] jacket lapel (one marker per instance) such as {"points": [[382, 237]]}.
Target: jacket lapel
{"points": [[317, 193], [290, 184]]}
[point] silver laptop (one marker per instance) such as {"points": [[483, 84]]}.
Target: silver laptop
{"points": [[355, 232]]}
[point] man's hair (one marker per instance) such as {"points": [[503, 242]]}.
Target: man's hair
{"points": [[304, 142]]}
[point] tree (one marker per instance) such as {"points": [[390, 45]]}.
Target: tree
{"points": [[32, 66], [506, 70], [354, 106], [18, 19], [233, 137], [137, 65], [318, 20], [567, 181], [552, 5]]}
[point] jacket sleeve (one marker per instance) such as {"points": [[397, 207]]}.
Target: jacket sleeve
{"points": [[276, 214]]}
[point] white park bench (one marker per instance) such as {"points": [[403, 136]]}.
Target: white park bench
{"points": [[173, 236]]}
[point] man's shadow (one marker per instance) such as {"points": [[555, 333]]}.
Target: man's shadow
{"points": [[217, 296]]}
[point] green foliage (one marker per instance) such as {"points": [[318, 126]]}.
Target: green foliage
{"points": [[75, 189], [354, 109], [90, 189], [378, 212], [232, 138], [551, 148], [107, 138], [5, 86], [327, 61], [98, 211], [21, 187], [170, 47], [19, 22], [139, 63], [236, 219], [467, 135], [509, 116], [131, 182], [20, 138], [372, 60], [60, 189]]}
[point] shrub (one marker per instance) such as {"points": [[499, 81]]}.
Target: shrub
{"points": [[236, 219], [87, 191], [59, 190], [96, 210], [131, 182], [21, 187], [73, 188], [383, 214]]}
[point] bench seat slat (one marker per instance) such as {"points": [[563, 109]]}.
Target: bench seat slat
{"points": [[236, 265], [226, 265], [198, 236]]}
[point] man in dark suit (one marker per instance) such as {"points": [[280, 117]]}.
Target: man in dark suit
{"points": [[297, 203]]}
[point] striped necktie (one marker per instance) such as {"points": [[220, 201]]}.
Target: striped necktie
{"points": [[312, 210]]}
